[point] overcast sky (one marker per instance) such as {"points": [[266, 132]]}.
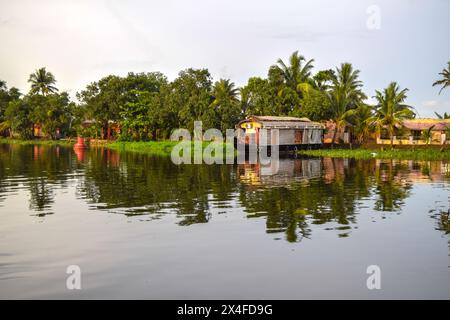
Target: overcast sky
{"points": [[82, 41]]}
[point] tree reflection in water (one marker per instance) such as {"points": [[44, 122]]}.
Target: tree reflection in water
{"points": [[291, 194]]}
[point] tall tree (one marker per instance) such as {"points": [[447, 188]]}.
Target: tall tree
{"points": [[53, 113], [362, 120], [445, 81], [322, 79], [445, 115], [260, 97], [225, 102], [102, 101], [298, 70], [42, 82], [6, 96], [391, 110], [143, 108], [17, 115], [314, 103], [190, 96], [345, 94]]}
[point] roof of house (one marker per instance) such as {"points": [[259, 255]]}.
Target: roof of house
{"points": [[291, 125], [275, 118], [274, 122], [425, 124]]}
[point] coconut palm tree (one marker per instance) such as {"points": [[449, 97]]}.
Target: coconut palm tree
{"points": [[225, 91], [298, 70], [443, 116], [391, 110], [245, 102], [345, 94], [445, 81], [42, 82], [227, 103], [362, 120], [427, 135]]}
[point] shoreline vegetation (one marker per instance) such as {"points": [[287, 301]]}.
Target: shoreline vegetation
{"points": [[147, 106], [165, 147], [426, 154]]}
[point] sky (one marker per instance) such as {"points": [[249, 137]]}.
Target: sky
{"points": [[407, 41]]}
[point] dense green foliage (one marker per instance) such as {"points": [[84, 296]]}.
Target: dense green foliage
{"points": [[43, 106], [147, 106], [391, 109]]}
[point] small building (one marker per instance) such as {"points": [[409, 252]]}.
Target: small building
{"points": [[38, 133], [109, 132], [293, 132], [410, 132]]}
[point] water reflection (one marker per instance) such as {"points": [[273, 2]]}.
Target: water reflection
{"points": [[291, 195]]}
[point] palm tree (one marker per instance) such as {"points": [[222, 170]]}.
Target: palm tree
{"points": [[345, 94], [245, 103], [224, 91], [226, 99], [445, 81], [443, 116], [361, 118], [390, 110], [427, 135], [297, 71], [42, 81]]}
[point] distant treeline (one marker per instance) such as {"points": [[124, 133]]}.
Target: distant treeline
{"points": [[146, 106]]}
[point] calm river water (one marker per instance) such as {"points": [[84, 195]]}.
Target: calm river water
{"points": [[141, 227]]}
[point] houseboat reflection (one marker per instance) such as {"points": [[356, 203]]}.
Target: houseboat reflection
{"points": [[279, 171]]}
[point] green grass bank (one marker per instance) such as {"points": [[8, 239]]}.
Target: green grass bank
{"points": [[64, 142], [401, 154], [164, 148]]}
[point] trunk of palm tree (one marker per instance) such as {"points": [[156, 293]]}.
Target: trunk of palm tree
{"points": [[391, 134], [333, 141], [335, 133]]}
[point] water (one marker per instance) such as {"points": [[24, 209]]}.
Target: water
{"points": [[141, 227]]}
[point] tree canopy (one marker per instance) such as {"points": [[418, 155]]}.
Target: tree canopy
{"points": [[147, 106]]}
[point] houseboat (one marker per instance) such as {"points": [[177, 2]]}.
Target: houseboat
{"points": [[293, 133]]}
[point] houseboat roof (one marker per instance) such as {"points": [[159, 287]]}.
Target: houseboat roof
{"points": [[425, 124], [275, 118], [273, 122]]}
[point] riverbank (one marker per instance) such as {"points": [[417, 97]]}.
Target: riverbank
{"points": [[65, 142], [163, 148], [402, 154]]}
